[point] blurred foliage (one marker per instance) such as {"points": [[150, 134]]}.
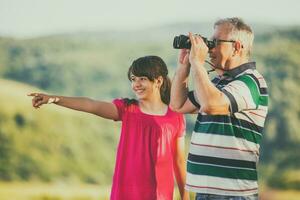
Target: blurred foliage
{"points": [[277, 55], [52, 144], [58, 144]]}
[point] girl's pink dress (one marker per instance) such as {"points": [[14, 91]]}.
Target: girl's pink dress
{"points": [[144, 162]]}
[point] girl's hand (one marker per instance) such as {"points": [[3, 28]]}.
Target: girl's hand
{"points": [[198, 51], [41, 99]]}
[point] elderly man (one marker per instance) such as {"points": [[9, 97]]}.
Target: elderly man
{"points": [[232, 107]]}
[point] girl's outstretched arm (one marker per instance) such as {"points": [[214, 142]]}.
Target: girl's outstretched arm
{"points": [[180, 167], [103, 109]]}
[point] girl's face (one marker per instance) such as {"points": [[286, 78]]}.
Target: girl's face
{"points": [[143, 88]]}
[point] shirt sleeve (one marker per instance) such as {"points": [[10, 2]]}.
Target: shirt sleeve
{"points": [[120, 104], [181, 126], [192, 97], [243, 93]]}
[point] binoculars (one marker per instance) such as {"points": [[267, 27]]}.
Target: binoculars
{"points": [[183, 42]]}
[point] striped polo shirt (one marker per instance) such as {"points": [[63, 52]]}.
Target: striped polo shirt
{"points": [[224, 149]]}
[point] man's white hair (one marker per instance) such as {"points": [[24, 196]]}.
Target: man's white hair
{"points": [[238, 30]]}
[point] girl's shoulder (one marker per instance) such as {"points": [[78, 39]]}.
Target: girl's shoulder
{"points": [[126, 104], [180, 115], [178, 121]]}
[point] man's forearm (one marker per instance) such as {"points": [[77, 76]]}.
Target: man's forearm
{"points": [[211, 98], [202, 84], [179, 89]]}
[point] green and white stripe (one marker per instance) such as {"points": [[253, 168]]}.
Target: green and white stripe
{"points": [[224, 150], [221, 186]]}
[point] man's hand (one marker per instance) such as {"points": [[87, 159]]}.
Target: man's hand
{"points": [[183, 57], [198, 51]]}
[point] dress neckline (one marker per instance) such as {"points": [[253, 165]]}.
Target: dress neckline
{"points": [[154, 115]]}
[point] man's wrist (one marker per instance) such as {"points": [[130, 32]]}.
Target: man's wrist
{"points": [[184, 68], [197, 63]]}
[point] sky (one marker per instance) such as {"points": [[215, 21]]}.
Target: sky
{"points": [[30, 18]]}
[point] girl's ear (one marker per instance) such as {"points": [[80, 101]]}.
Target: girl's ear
{"points": [[159, 81]]}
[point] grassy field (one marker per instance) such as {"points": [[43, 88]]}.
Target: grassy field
{"points": [[280, 195], [38, 191]]}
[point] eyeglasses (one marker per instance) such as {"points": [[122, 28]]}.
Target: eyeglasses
{"points": [[215, 42], [218, 41]]}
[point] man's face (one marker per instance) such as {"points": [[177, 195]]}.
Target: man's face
{"points": [[221, 55]]}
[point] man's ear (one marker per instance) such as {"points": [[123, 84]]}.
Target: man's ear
{"points": [[237, 47]]}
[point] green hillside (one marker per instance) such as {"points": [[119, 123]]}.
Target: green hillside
{"points": [[52, 143]]}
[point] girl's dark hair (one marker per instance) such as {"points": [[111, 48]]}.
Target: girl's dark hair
{"points": [[152, 67]]}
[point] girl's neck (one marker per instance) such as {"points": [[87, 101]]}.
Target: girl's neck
{"points": [[153, 107]]}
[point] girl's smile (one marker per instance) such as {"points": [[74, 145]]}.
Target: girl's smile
{"points": [[143, 87]]}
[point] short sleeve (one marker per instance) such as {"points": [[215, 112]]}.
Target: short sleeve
{"points": [[243, 93], [120, 104], [181, 125], [192, 97]]}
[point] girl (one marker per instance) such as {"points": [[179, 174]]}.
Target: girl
{"points": [[151, 146]]}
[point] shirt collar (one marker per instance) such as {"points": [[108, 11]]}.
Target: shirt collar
{"points": [[240, 69]]}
